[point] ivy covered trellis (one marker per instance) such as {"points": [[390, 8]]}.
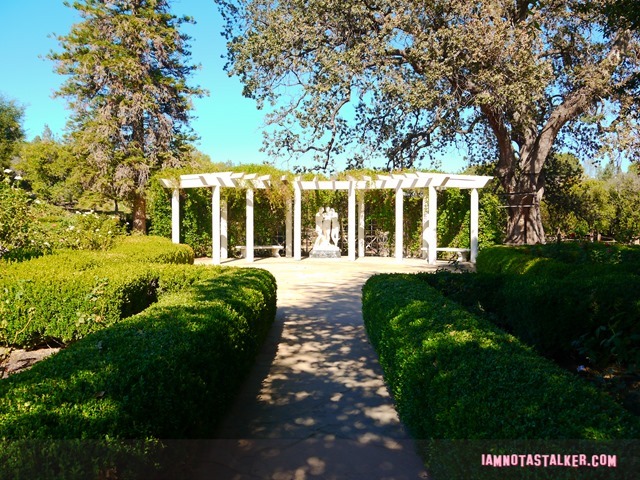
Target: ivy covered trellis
{"points": [[290, 189]]}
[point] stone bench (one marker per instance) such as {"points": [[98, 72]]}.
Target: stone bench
{"points": [[463, 253], [275, 249]]}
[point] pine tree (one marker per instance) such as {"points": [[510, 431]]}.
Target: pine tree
{"points": [[127, 72]]}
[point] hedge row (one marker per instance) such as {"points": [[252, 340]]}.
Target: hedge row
{"points": [[169, 372], [455, 375], [63, 297], [589, 301], [594, 316], [559, 259]]}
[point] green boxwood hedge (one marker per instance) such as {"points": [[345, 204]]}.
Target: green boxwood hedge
{"points": [[169, 372], [559, 259], [597, 316], [566, 297], [63, 297], [455, 375]]}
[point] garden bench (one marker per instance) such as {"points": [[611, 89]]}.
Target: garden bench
{"points": [[463, 253], [275, 249]]}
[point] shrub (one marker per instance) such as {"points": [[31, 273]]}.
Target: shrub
{"points": [[454, 375], [152, 249], [169, 372], [567, 297], [559, 258], [45, 303], [86, 231], [64, 297], [19, 236]]}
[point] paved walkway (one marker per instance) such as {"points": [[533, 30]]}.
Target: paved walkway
{"points": [[315, 405]]}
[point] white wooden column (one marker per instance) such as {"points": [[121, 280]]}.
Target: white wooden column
{"points": [[224, 235], [361, 226], [473, 227], [399, 223], [425, 224], [249, 226], [297, 222], [288, 229], [351, 234], [215, 225], [432, 226], [175, 216]]}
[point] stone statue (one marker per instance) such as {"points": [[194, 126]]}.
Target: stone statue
{"points": [[326, 227], [335, 226], [328, 231], [321, 239]]}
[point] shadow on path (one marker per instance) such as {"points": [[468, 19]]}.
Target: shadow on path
{"points": [[315, 405]]}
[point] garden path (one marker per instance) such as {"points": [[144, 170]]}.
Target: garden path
{"points": [[315, 405]]}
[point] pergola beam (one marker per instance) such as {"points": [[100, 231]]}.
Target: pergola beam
{"points": [[397, 181]]}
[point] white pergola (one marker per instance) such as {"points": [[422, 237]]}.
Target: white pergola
{"points": [[356, 188]]}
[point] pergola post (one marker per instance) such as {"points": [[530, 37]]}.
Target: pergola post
{"points": [[175, 216], [224, 235], [249, 226], [215, 225], [361, 220], [351, 234], [428, 182], [399, 223], [425, 224], [432, 226], [473, 227], [288, 229], [297, 222]]}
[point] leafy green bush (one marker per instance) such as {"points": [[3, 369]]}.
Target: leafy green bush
{"points": [[559, 258], [43, 303], [567, 297], [517, 260], [454, 375], [425, 338], [169, 372], [65, 296], [152, 249], [86, 231], [19, 236], [595, 316]]}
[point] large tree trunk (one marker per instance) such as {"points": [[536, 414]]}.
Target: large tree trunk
{"points": [[139, 213], [524, 224]]}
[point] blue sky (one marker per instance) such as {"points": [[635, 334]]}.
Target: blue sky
{"points": [[229, 125]]}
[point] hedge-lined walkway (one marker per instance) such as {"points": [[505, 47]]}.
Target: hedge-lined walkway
{"points": [[316, 405]]}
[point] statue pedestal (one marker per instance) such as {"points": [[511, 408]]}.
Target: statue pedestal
{"points": [[325, 251]]}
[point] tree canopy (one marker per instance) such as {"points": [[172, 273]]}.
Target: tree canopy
{"points": [[126, 85], [11, 132], [513, 80]]}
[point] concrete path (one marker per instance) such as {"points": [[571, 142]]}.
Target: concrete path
{"points": [[315, 405]]}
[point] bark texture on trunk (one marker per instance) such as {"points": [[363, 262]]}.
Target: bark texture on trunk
{"points": [[139, 213], [524, 225]]}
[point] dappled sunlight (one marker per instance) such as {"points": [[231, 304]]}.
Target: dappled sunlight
{"points": [[316, 405]]}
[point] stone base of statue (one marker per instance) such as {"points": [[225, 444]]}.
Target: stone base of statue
{"points": [[325, 251]]}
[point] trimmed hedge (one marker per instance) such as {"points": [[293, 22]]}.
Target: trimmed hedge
{"points": [[455, 375], [169, 372], [61, 298], [559, 259], [588, 302], [152, 249], [596, 316]]}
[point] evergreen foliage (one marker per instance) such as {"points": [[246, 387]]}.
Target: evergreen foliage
{"points": [[126, 82], [131, 400]]}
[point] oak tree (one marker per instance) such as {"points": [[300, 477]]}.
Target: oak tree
{"points": [[513, 79], [126, 67]]}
